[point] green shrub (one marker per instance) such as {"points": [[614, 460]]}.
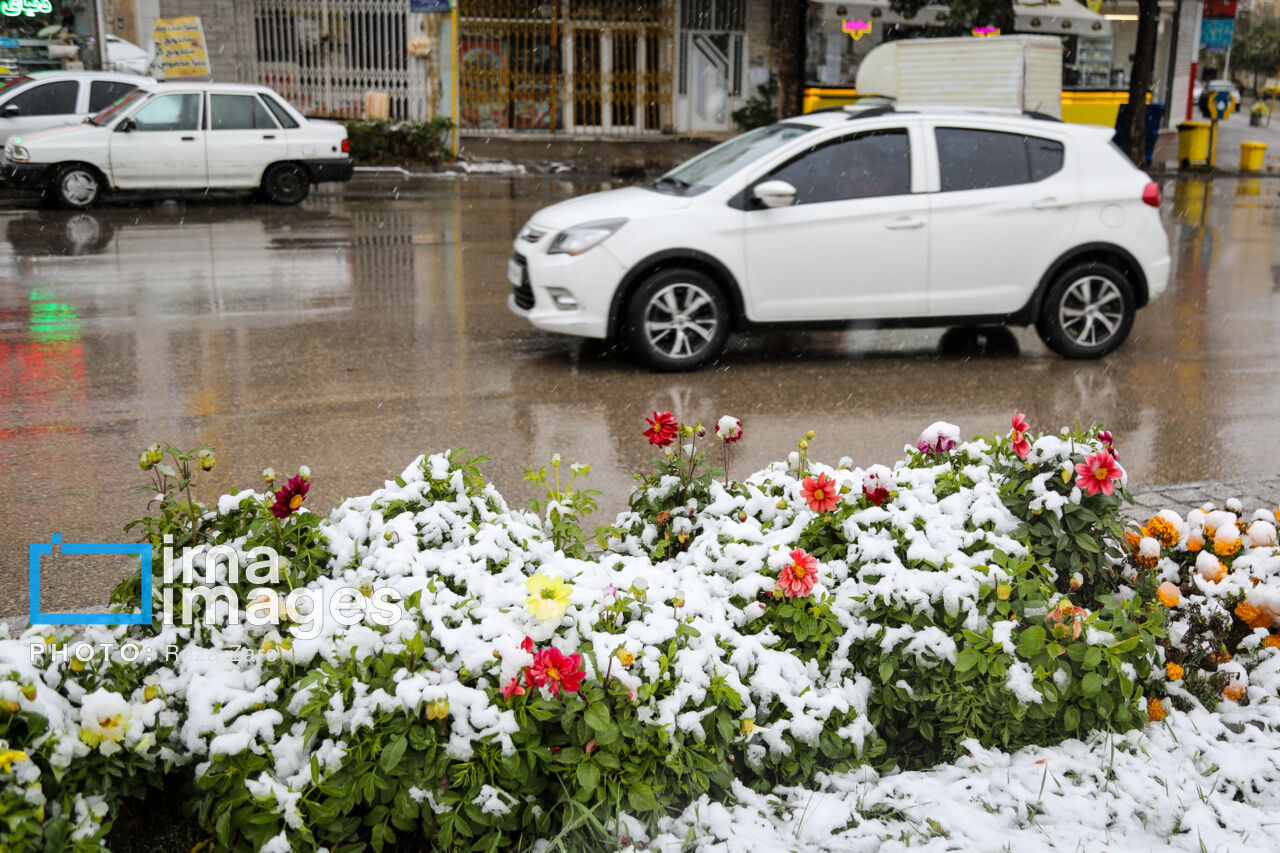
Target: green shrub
{"points": [[376, 142]]}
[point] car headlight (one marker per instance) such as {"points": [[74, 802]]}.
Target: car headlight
{"points": [[18, 154], [580, 238]]}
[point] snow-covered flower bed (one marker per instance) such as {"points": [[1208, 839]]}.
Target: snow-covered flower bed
{"points": [[964, 647]]}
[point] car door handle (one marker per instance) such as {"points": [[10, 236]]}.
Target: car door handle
{"points": [[903, 223], [1049, 204], [268, 136], [188, 139]]}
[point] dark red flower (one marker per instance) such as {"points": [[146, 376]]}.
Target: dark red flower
{"points": [[290, 497], [555, 671], [663, 428]]}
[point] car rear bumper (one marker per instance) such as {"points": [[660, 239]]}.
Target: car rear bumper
{"points": [[25, 176], [337, 169]]}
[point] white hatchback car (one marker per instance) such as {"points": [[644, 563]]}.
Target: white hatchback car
{"points": [[52, 98], [857, 216], [183, 136]]}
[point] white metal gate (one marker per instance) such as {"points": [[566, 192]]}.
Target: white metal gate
{"points": [[324, 55]]}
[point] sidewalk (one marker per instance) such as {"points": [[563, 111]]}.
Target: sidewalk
{"points": [[1231, 133], [1253, 494]]}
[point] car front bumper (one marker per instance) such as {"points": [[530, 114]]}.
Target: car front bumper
{"points": [[325, 171], [24, 176], [590, 278]]}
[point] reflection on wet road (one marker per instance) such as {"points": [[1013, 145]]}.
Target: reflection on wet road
{"points": [[351, 334]]}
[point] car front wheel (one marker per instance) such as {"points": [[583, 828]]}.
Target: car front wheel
{"points": [[1088, 311], [286, 183], [678, 319], [76, 187]]}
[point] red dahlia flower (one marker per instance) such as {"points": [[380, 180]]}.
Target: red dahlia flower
{"points": [[822, 494], [527, 644], [729, 429], [663, 428], [290, 498], [1098, 473], [797, 578], [513, 689], [555, 671], [1108, 441], [1021, 445]]}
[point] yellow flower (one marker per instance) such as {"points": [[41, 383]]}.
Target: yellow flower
{"points": [[548, 597], [9, 757], [437, 709], [624, 657], [1252, 616], [1226, 547], [1195, 541], [1174, 671], [1168, 594], [1271, 642], [748, 726], [1155, 710], [1163, 531]]}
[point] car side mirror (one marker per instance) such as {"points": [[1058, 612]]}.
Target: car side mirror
{"points": [[127, 126], [11, 110], [774, 193]]}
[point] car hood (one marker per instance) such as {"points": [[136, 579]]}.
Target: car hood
{"points": [[628, 202], [70, 134]]}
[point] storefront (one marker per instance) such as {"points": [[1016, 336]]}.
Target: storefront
{"points": [[44, 35]]}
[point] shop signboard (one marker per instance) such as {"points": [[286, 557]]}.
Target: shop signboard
{"points": [[181, 47], [1216, 33], [1219, 8], [30, 8], [430, 5]]}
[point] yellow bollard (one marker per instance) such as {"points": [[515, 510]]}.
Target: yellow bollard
{"points": [[1251, 154]]}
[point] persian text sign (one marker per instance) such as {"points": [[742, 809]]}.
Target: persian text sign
{"points": [[180, 47]]}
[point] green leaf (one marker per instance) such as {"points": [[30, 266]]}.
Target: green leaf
{"points": [[1091, 685], [966, 660], [392, 753], [1071, 718], [597, 716], [886, 669], [588, 775], [640, 797], [1031, 641], [1093, 657]]}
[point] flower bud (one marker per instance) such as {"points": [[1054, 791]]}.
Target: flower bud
{"points": [[150, 692], [742, 515], [625, 657], [29, 691], [803, 444], [8, 706], [304, 473], [748, 726], [269, 476], [1003, 591], [781, 504], [76, 664], [1077, 581], [286, 644], [206, 461], [145, 463], [702, 431], [810, 435]]}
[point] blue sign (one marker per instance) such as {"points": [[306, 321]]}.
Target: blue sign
{"points": [[5, 41], [1216, 34], [430, 5], [38, 618]]}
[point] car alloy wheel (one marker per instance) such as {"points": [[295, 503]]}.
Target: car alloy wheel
{"points": [[1091, 311], [678, 319], [286, 183]]}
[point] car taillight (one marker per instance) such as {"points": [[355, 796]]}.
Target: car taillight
{"points": [[1151, 194], [346, 149]]}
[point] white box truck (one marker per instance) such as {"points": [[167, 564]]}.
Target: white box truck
{"points": [[1015, 73]]}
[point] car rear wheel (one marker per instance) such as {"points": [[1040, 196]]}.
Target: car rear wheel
{"points": [[76, 187], [678, 319], [1088, 311], [286, 183]]}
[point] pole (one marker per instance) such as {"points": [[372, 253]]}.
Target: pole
{"points": [[1213, 142], [99, 57]]}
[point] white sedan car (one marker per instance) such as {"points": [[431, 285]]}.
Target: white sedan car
{"points": [[183, 136], [859, 216], [52, 98]]}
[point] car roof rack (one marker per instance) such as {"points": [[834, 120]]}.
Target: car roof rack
{"points": [[872, 112], [1039, 116]]}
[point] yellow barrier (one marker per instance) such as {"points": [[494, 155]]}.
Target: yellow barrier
{"points": [[1077, 107]]}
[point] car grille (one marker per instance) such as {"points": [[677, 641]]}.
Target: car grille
{"points": [[523, 290]]}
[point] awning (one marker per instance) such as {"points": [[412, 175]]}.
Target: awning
{"points": [[1048, 17]]}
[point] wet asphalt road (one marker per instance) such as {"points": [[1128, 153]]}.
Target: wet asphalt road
{"points": [[357, 331]]}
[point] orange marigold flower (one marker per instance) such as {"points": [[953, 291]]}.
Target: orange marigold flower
{"points": [[1168, 594], [1163, 531], [1222, 657], [1225, 548], [1234, 692], [1195, 541], [1155, 710], [1132, 538], [1252, 616], [1271, 642], [1174, 671]]}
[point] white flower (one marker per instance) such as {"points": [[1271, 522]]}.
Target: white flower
{"points": [[104, 720]]}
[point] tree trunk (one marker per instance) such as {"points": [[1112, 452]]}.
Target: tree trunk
{"points": [[1144, 60], [791, 53]]}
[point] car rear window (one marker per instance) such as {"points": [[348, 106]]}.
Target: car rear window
{"points": [[104, 93], [973, 159], [281, 114], [47, 99]]}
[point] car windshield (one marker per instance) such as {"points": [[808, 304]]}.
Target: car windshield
{"points": [[713, 166], [112, 111]]}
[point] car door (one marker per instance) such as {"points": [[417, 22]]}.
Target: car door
{"points": [[854, 244], [161, 145], [39, 106], [1005, 209], [243, 140]]}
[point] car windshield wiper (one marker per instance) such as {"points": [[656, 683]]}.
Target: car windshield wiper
{"points": [[90, 120], [670, 181]]}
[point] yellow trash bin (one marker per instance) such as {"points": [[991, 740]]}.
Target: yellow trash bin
{"points": [[1251, 156], [1193, 143]]}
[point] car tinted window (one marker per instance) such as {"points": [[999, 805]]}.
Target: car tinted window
{"points": [[1045, 156], [238, 112], [104, 93], [48, 99], [169, 112], [972, 159], [281, 114], [876, 163]]}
